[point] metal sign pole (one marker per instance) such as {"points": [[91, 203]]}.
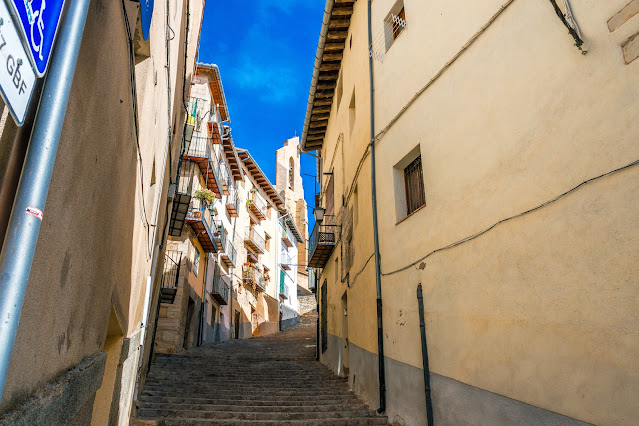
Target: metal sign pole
{"points": [[24, 226]]}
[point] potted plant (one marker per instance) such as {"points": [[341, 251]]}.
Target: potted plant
{"points": [[205, 195]]}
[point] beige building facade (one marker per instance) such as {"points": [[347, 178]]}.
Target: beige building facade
{"points": [[506, 186], [83, 330]]}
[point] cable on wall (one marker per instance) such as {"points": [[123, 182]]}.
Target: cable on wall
{"points": [[484, 231]]}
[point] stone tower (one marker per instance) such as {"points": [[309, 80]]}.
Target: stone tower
{"points": [[288, 182]]}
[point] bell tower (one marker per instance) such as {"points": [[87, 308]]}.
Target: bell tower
{"points": [[288, 182]]}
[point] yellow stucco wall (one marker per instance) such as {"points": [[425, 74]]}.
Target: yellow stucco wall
{"points": [[540, 309]]}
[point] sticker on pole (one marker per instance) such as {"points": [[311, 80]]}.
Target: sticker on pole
{"points": [[38, 23], [35, 212], [17, 76]]}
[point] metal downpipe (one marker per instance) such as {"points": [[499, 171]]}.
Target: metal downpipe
{"points": [[20, 241], [422, 329], [378, 273]]}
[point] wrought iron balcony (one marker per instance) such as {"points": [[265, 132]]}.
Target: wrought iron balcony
{"points": [[283, 290], [197, 149], [322, 242], [226, 177], [257, 206], [254, 241], [182, 198], [252, 276], [199, 218], [215, 122], [170, 276], [285, 260], [233, 202], [228, 253], [286, 237], [194, 113], [220, 290]]}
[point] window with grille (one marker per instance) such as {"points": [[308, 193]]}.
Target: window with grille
{"points": [[414, 186]]}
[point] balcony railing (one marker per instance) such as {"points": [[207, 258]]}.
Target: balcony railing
{"points": [[286, 237], [199, 218], [253, 240], [225, 176], [198, 148], [285, 260], [220, 290], [228, 253], [182, 198], [215, 121], [252, 276], [322, 242], [233, 202], [170, 275], [283, 290], [257, 206]]}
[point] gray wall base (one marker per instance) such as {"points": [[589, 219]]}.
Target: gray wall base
{"points": [[454, 402], [67, 399]]}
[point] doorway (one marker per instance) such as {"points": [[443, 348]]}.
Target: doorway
{"points": [[237, 324], [188, 329], [345, 356]]}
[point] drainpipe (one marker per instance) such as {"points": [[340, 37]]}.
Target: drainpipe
{"points": [[422, 329], [24, 226], [378, 274]]}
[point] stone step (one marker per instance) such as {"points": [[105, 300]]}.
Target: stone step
{"points": [[249, 406], [278, 395], [252, 382], [149, 413], [322, 422], [269, 381], [222, 399]]}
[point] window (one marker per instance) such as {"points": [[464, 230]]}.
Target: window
{"points": [[336, 268], [196, 261], [351, 111], [408, 180], [291, 173], [414, 184], [395, 23], [267, 241]]}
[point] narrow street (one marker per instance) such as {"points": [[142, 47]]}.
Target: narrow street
{"points": [[265, 380]]}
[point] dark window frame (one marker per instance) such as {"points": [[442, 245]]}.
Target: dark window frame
{"points": [[414, 186]]}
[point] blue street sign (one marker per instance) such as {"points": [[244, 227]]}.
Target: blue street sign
{"points": [[146, 10], [38, 22]]}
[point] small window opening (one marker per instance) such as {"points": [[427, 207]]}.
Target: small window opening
{"points": [[351, 111], [414, 185]]}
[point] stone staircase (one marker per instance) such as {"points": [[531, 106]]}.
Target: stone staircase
{"points": [[272, 380]]}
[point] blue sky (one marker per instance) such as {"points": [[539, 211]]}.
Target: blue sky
{"points": [[265, 51]]}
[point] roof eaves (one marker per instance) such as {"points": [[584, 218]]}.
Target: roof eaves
{"points": [[264, 181], [328, 61]]}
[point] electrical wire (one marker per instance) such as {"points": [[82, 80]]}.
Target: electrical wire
{"points": [[540, 206]]}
